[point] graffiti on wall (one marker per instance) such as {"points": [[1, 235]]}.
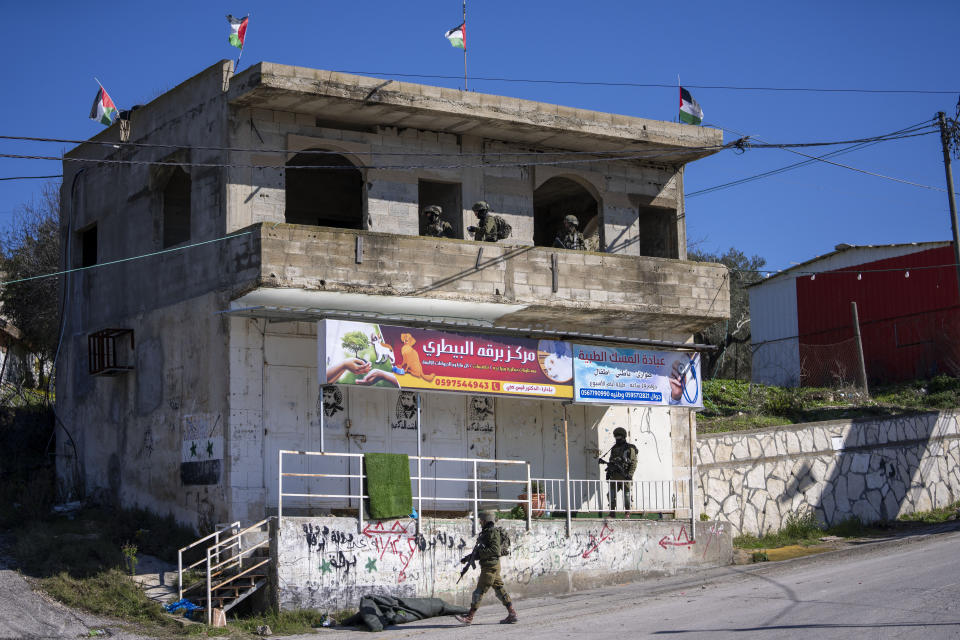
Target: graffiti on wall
{"points": [[481, 416], [677, 539], [405, 415], [201, 453], [331, 397]]}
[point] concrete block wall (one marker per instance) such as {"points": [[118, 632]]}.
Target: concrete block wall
{"points": [[328, 564], [672, 298], [873, 469], [391, 195], [134, 431]]}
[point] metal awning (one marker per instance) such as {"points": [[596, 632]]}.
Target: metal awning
{"points": [[291, 305]]}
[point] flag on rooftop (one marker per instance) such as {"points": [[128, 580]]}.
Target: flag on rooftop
{"points": [[103, 108], [238, 30], [458, 36], [690, 111]]}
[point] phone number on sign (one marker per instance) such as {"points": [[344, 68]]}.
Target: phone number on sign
{"points": [[459, 383]]}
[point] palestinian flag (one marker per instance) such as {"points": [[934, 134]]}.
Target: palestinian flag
{"points": [[458, 36], [238, 30], [103, 109], [690, 111]]}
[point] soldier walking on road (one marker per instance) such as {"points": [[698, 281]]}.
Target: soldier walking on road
{"points": [[436, 228], [487, 552], [620, 468]]}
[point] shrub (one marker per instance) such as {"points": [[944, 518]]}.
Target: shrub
{"points": [[802, 525]]}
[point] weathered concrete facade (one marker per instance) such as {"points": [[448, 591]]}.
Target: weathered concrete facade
{"points": [[874, 469], [223, 367], [326, 564]]}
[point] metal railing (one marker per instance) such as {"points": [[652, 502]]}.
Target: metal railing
{"points": [[646, 496], [473, 483], [232, 548], [233, 526]]}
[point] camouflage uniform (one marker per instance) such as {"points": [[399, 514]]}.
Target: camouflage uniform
{"points": [[486, 227], [571, 239], [487, 553], [438, 229], [570, 236], [620, 469]]}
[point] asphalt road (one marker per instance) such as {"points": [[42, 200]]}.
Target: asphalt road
{"points": [[903, 588]]}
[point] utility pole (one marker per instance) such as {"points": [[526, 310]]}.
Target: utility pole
{"points": [[945, 141]]}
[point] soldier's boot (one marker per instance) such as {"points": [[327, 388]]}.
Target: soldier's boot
{"points": [[467, 618], [511, 616]]}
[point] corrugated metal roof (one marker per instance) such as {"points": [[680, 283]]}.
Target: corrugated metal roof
{"points": [[856, 253]]}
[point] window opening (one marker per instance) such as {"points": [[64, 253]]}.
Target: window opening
{"points": [[88, 246], [176, 208], [328, 197], [559, 197], [658, 232], [448, 195]]}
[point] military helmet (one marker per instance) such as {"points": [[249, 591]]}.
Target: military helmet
{"points": [[433, 210], [488, 515], [619, 432], [481, 206], [572, 219]]}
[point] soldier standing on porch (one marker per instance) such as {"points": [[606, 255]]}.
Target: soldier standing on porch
{"points": [[620, 468]]}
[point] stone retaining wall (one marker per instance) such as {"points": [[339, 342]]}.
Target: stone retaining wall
{"points": [[326, 563], [874, 469]]}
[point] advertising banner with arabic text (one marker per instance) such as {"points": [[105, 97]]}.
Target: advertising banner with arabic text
{"points": [[613, 375], [379, 355]]}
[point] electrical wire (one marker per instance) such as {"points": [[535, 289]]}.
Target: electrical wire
{"points": [[795, 165], [59, 175], [653, 85], [120, 260]]}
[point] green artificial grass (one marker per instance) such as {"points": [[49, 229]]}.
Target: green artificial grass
{"points": [[388, 485]]}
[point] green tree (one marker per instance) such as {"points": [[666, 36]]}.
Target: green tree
{"points": [[734, 356], [30, 247], [355, 341]]}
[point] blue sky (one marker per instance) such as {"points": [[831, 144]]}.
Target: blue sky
{"points": [[138, 50]]}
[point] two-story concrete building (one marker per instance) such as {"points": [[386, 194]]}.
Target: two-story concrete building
{"points": [[228, 215]]}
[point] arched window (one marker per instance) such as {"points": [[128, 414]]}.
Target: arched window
{"points": [[326, 190], [559, 197], [176, 208]]}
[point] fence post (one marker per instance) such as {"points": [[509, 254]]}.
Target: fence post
{"points": [[566, 453], [209, 594], [529, 500], [420, 470], [476, 499], [280, 484], [856, 334]]}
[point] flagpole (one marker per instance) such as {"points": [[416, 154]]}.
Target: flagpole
{"points": [[465, 45], [679, 97]]}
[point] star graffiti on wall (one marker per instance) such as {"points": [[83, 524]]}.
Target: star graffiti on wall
{"points": [[209, 449], [325, 567], [193, 449], [371, 565]]}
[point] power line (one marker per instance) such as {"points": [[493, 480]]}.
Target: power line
{"points": [[655, 85], [795, 165], [30, 177], [112, 262]]}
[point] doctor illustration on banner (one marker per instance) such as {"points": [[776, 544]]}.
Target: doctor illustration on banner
{"points": [[684, 389]]}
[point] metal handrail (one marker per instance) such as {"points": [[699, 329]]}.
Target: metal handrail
{"points": [[235, 540], [415, 479], [180, 568]]}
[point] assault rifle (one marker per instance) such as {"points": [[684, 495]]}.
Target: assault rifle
{"points": [[616, 465], [468, 561]]}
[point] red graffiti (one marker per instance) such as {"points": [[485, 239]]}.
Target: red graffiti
{"points": [[715, 531], [595, 542], [387, 540], [679, 540]]}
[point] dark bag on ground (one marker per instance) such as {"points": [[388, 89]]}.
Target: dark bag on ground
{"points": [[378, 611]]}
